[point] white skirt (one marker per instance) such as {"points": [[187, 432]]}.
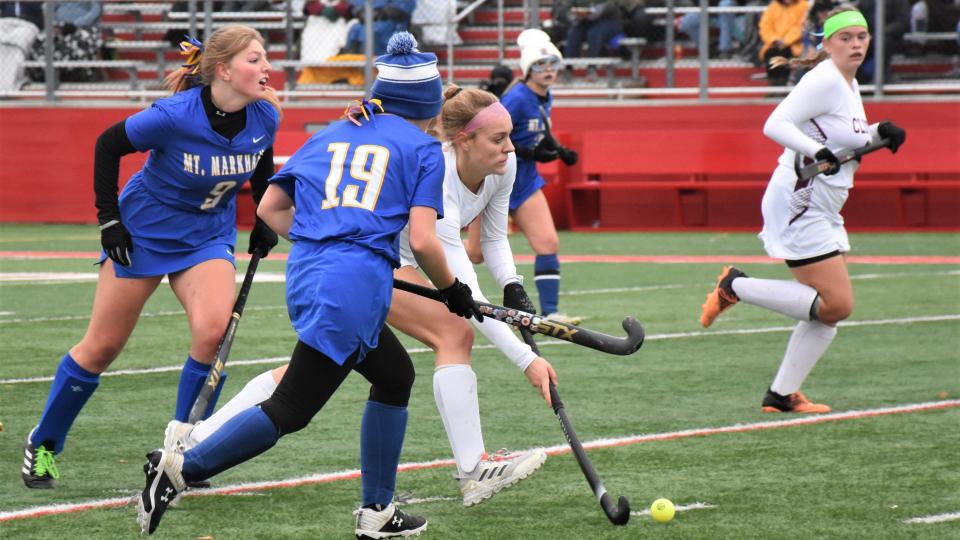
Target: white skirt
{"points": [[804, 223]]}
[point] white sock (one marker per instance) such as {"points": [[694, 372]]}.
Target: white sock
{"points": [[807, 344], [455, 390], [789, 298], [256, 391]]}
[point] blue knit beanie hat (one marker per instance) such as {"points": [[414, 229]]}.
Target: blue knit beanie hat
{"points": [[408, 82]]}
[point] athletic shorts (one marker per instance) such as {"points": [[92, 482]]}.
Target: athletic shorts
{"points": [[526, 184], [804, 223], [338, 296], [167, 240]]}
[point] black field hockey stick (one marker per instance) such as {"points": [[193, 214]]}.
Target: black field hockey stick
{"points": [[538, 325], [223, 349], [843, 156], [619, 514]]}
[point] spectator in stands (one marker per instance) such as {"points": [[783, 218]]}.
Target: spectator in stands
{"points": [[781, 30], [896, 23], [802, 224], [175, 218], [18, 33], [689, 24], [77, 37], [28, 11], [595, 22], [529, 103], [500, 77], [812, 33], [431, 19], [389, 18]]}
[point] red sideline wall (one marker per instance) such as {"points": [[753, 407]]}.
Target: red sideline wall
{"points": [[46, 154]]}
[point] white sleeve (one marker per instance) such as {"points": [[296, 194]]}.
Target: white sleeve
{"points": [[496, 331], [493, 230], [810, 98]]}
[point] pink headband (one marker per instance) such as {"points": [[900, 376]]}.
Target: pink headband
{"points": [[489, 114]]}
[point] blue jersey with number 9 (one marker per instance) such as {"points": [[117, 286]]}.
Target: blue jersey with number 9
{"points": [[181, 206]]}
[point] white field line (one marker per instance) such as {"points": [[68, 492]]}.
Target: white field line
{"points": [[45, 510], [279, 277], [419, 350], [939, 518], [59, 278], [678, 508]]}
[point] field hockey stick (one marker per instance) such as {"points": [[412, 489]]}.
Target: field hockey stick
{"points": [[619, 514], [223, 349], [843, 156], [538, 325]]}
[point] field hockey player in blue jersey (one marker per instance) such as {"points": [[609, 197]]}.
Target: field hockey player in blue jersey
{"points": [[342, 200], [479, 175], [176, 217]]}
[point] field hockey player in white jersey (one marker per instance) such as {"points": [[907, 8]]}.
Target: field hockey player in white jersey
{"points": [[801, 218], [480, 171]]}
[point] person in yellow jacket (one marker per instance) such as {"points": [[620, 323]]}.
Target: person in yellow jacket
{"points": [[781, 27]]}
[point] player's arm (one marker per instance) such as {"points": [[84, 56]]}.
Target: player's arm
{"points": [[430, 256], [111, 146], [276, 210], [262, 238], [812, 97]]}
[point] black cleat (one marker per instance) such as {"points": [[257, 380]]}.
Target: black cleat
{"points": [[39, 470], [164, 482], [387, 523]]}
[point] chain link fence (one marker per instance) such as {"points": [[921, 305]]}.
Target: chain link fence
{"points": [[325, 48]]}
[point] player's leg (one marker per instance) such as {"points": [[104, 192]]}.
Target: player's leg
{"points": [[184, 436], [390, 372], [116, 307], [454, 382], [311, 379], [533, 218], [455, 390], [206, 292], [472, 242], [811, 338]]}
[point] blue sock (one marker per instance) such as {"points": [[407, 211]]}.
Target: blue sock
{"points": [[381, 439], [546, 270], [241, 438], [191, 381], [72, 387], [213, 399]]}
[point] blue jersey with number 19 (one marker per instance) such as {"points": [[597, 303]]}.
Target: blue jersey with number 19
{"points": [[357, 183], [353, 187]]}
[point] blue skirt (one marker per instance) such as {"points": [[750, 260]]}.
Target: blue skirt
{"points": [[167, 239], [338, 296], [527, 183]]}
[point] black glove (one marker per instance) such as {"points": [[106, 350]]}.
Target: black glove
{"points": [[116, 241], [568, 156], [262, 239], [514, 296], [824, 154], [546, 151], [459, 299], [896, 134]]}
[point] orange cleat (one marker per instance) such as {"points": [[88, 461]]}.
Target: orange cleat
{"points": [[721, 297], [795, 402]]}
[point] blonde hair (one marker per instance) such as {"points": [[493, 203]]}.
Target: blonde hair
{"points": [[460, 105], [220, 48], [812, 59]]}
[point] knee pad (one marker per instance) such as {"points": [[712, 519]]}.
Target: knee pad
{"points": [[287, 416], [395, 390]]}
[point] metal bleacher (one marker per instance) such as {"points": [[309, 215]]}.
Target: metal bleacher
{"points": [[136, 33]]}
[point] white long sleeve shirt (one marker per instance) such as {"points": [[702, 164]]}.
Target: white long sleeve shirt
{"points": [[460, 207], [821, 110]]}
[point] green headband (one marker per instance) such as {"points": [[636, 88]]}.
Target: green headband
{"points": [[841, 20]]}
